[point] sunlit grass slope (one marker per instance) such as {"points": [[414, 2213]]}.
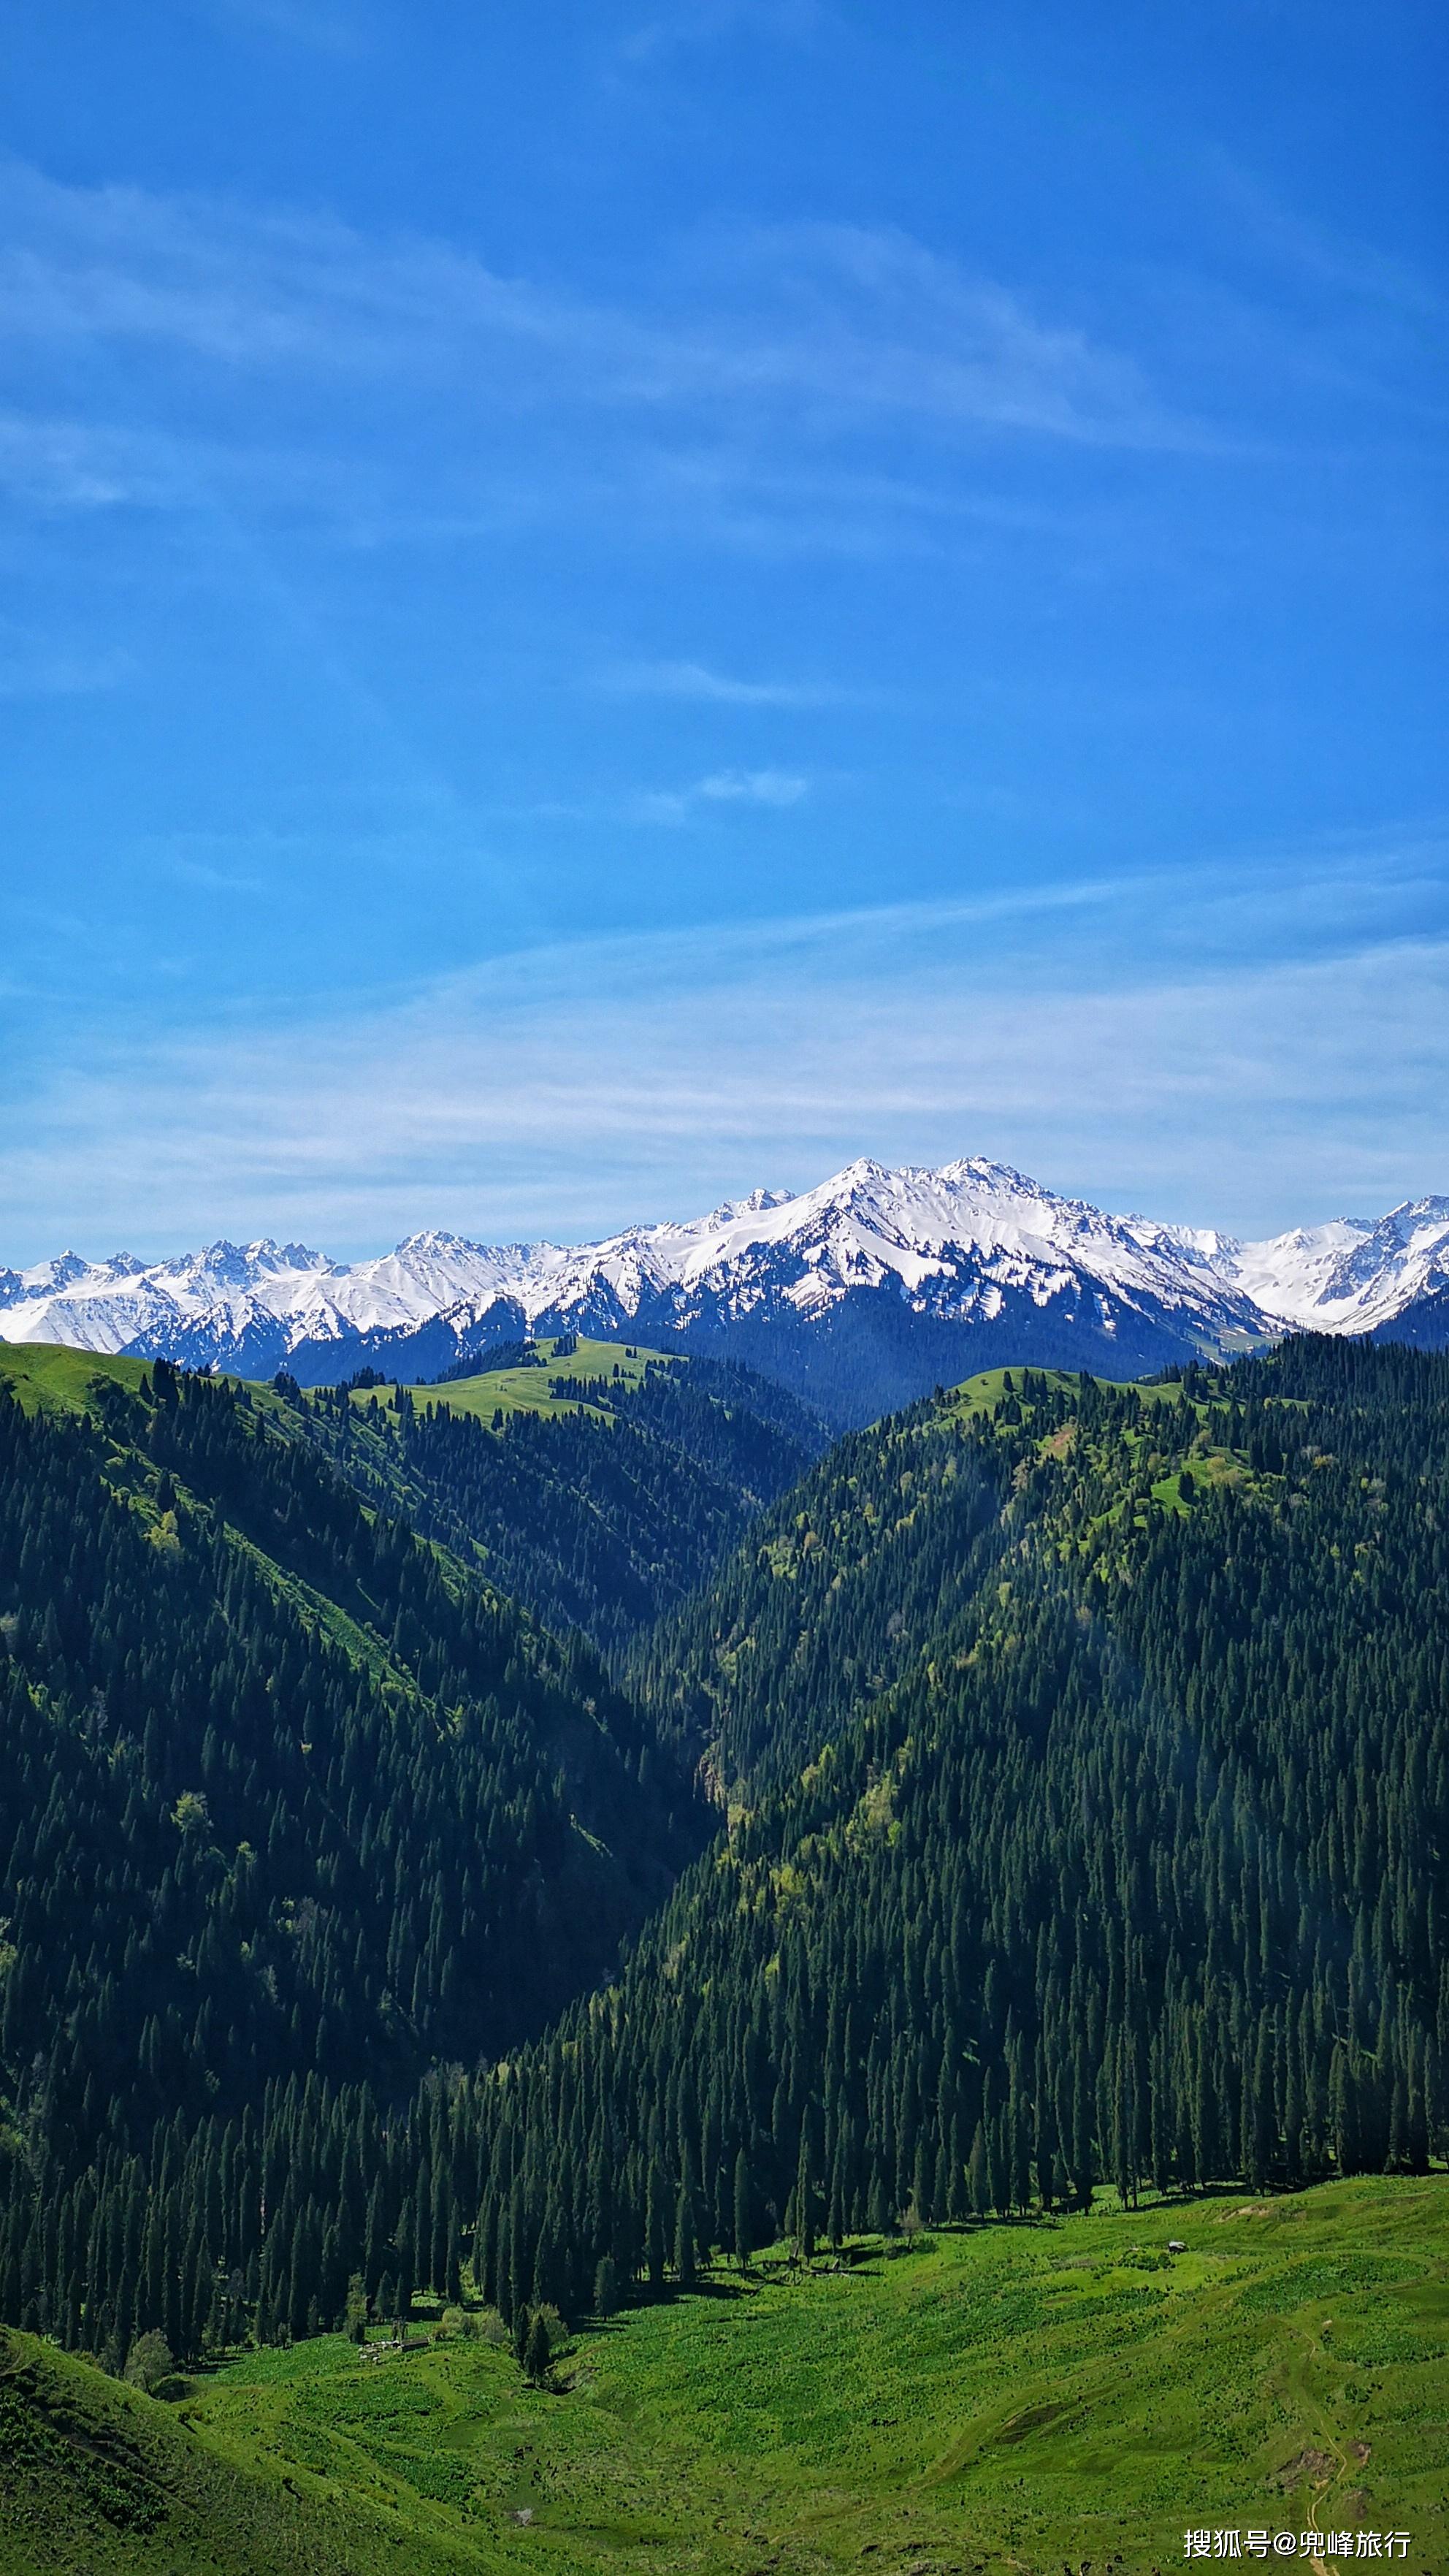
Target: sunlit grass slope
{"points": [[1016, 2398], [1170, 1417], [53, 1376], [97, 2480], [531, 1390], [50, 1378]]}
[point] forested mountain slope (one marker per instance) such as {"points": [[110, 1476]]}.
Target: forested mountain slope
{"points": [[596, 1487], [1087, 1778], [830, 1599], [1089, 1760], [292, 1809]]}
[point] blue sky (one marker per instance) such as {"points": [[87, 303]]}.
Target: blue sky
{"points": [[604, 605]]}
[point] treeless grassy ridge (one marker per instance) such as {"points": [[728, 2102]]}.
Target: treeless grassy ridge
{"points": [[48, 1378], [531, 1390], [1017, 2397]]}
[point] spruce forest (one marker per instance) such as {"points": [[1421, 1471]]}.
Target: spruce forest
{"points": [[543, 1863]]}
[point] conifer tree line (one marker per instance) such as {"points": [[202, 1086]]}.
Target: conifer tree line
{"points": [[1086, 1757], [311, 2213]]}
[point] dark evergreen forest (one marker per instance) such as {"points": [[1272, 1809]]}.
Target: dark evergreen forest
{"points": [[601, 1519], [1088, 1767], [291, 1810], [1081, 1761]]}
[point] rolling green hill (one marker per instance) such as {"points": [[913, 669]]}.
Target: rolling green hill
{"points": [[44, 1377], [99, 2480], [550, 1379]]}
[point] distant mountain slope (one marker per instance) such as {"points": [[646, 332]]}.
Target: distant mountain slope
{"points": [[1086, 1753], [1355, 1276], [860, 1294], [294, 1809], [596, 1488], [1423, 1324]]}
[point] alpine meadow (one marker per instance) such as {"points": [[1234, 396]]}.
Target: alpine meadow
{"points": [[724, 1289]]}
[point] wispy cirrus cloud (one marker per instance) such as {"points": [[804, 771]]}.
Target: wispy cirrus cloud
{"points": [[52, 463], [697, 682], [835, 321], [773, 790], [777, 789], [1125, 1038], [327, 26]]}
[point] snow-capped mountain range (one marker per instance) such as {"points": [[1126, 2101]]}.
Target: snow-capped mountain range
{"points": [[900, 1276]]}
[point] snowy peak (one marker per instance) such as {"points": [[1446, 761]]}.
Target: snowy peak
{"points": [[1351, 1274], [971, 1242], [967, 1229], [1288, 1274], [237, 1267]]}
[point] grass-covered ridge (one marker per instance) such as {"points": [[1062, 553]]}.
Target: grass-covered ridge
{"points": [[1009, 2398], [49, 1377], [564, 1370]]}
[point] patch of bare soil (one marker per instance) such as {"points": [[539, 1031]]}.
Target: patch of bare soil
{"points": [[1307, 2464]]}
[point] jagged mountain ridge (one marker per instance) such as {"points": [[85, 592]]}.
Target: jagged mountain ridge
{"points": [[859, 1291]]}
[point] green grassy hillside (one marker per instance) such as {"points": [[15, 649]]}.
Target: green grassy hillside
{"points": [[46, 1378], [568, 1364], [97, 2480], [1014, 2398]]}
